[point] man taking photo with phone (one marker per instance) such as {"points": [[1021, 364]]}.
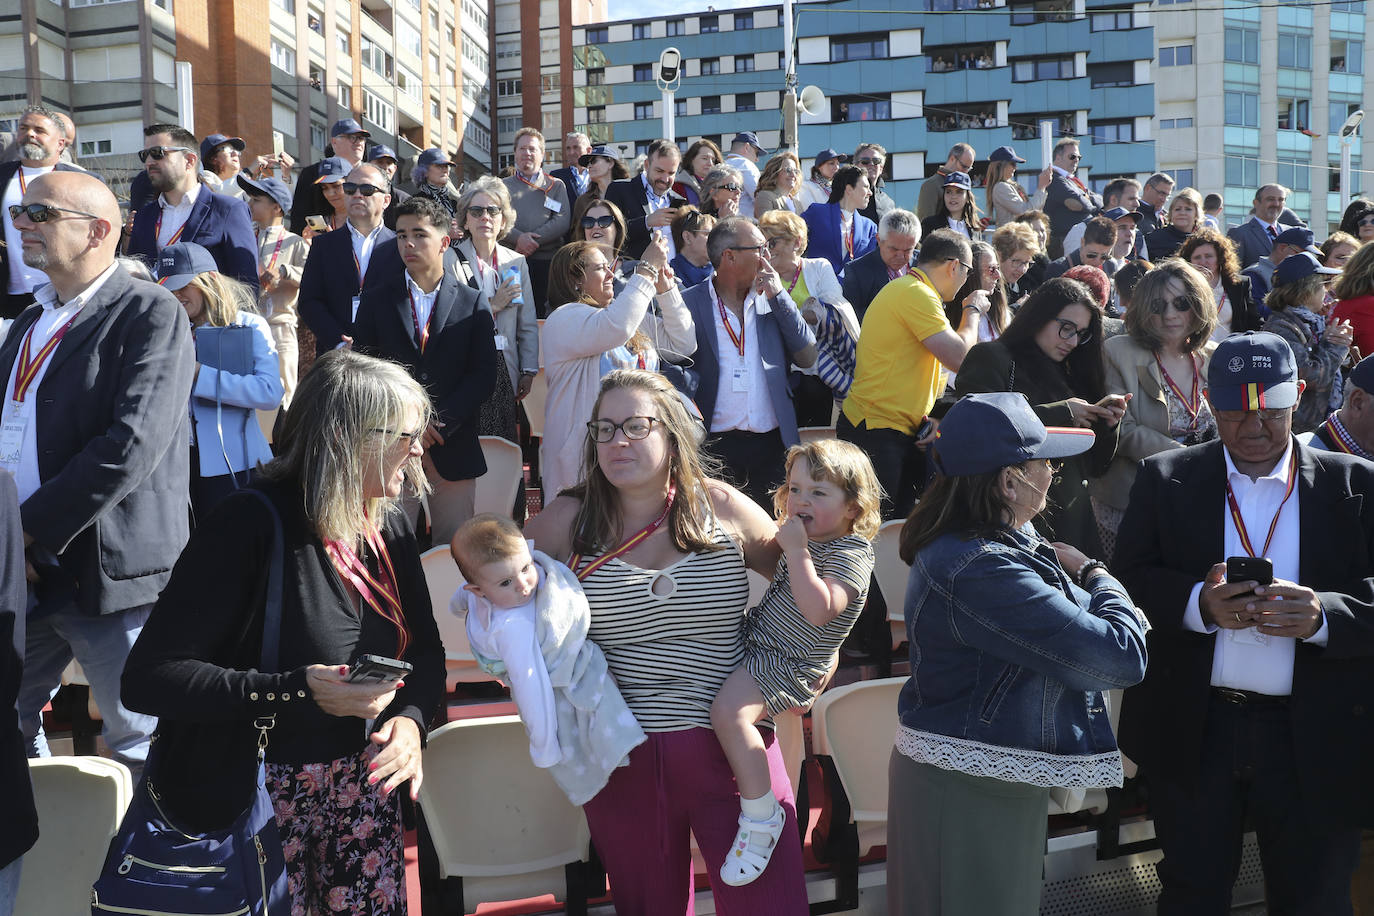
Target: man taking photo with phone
{"points": [[1252, 711]]}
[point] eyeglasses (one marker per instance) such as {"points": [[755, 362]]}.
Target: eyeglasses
{"points": [[777, 240], [1240, 416], [967, 267], [477, 212], [634, 428], [994, 269], [601, 222], [789, 171], [158, 152], [411, 438], [1366, 220], [1160, 306], [753, 248], [1019, 262], [870, 160], [1075, 157], [367, 190], [1068, 330], [732, 188], [41, 213]]}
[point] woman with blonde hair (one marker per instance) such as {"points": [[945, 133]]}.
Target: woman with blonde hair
{"points": [[1214, 255], [1354, 292], [662, 549], [780, 185], [1161, 364], [227, 443], [351, 585], [1185, 217], [1017, 246], [593, 331], [1005, 196], [1339, 248]]}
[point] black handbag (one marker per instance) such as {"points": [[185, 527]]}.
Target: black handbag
{"points": [[153, 867]]}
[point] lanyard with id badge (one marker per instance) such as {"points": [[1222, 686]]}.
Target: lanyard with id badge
{"points": [[27, 367], [739, 374]]}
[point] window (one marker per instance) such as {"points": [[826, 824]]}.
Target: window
{"points": [[379, 111], [1294, 114], [680, 107], [710, 66], [641, 30], [744, 101], [316, 77], [477, 15], [551, 82], [641, 147], [318, 138], [1242, 45], [596, 115], [341, 39], [710, 104], [1108, 22], [644, 111], [1295, 174], [858, 47], [409, 83], [1295, 51], [1172, 123], [1348, 6], [507, 49], [598, 35], [508, 124], [1241, 109], [1176, 56], [744, 63], [1103, 76], [450, 78], [506, 88], [855, 108], [744, 21], [677, 27], [1183, 178], [1333, 176], [408, 38], [1025, 71], [1042, 11], [1242, 172], [433, 61], [1339, 112], [1112, 131], [644, 73], [286, 5], [709, 24], [313, 23], [344, 93], [283, 58], [434, 18], [596, 77], [95, 147], [1347, 56], [376, 59]]}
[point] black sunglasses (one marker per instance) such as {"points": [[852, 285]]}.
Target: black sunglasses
{"points": [[1367, 220], [1180, 304], [159, 152], [41, 213], [732, 188], [603, 222], [477, 212], [367, 190]]}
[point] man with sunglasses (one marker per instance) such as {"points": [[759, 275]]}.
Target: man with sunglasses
{"points": [[1252, 713], [41, 139], [347, 141], [648, 200], [187, 211], [93, 425], [1099, 238], [1067, 200]]}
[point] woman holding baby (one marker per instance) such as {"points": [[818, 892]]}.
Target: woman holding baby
{"points": [[662, 550]]}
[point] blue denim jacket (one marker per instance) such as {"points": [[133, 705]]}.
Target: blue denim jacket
{"points": [[1006, 652]]}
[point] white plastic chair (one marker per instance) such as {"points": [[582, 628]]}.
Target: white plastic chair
{"points": [[539, 393], [892, 575], [501, 828], [266, 420], [81, 801], [443, 578], [496, 489]]}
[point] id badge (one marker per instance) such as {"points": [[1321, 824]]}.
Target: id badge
{"points": [[739, 380], [552, 205], [501, 342], [12, 436], [1250, 636], [354, 313]]}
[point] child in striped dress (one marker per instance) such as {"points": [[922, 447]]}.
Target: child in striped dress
{"points": [[828, 511]]}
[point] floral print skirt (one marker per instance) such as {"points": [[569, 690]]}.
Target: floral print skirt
{"points": [[343, 840]]}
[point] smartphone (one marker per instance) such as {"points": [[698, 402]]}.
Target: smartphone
{"points": [[278, 144], [512, 275], [317, 223], [1249, 569], [377, 668]]}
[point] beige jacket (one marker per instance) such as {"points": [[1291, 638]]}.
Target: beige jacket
{"points": [[279, 306]]}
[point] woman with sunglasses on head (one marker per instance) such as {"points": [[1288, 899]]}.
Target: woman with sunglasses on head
{"points": [[1214, 255], [839, 232], [595, 330], [779, 185], [1052, 353], [702, 156], [1161, 361], [692, 263], [1298, 306]]}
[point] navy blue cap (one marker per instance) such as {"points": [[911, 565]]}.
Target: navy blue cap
{"points": [[1297, 236], [347, 126], [1252, 371], [958, 180], [331, 170], [432, 156], [1298, 266], [382, 151], [985, 432], [827, 154], [748, 136], [605, 152], [179, 264], [274, 188], [1116, 213], [212, 142], [1362, 376], [1004, 154]]}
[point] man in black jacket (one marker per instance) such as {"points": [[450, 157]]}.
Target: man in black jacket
{"points": [[21, 818], [647, 200], [898, 232], [1253, 709]]}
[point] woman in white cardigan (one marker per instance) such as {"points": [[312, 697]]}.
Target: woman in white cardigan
{"points": [[595, 331], [812, 284]]}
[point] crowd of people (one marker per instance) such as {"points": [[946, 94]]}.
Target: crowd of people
{"points": [[1084, 406]]}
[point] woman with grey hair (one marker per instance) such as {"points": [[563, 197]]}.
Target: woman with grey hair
{"points": [[351, 585], [431, 179], [721, 190]]}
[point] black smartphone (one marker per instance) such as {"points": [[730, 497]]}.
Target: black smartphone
{"points": [[1249, 569], [377, 668]]}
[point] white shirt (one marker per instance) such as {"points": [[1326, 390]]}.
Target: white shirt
{"points": [[750, 409], [22, 278], [422, 301], [54, 316], [1248, 659], [362, 248], [750, 173], [175, 216]]}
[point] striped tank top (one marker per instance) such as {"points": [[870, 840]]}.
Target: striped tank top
{"points": [[672, 636]]}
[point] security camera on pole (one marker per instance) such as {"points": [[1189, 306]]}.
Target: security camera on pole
{"points": [[669, 77], [1348, 131]]}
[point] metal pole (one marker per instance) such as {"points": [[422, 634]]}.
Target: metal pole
{"points": [[669, 133], [791, 126], [186, 103], [1345, 173]]}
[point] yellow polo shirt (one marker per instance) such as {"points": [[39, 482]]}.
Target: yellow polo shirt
{"points": [[897, 380]]}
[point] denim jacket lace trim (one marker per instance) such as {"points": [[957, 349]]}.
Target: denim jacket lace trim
{"points": [[1010, 764]]}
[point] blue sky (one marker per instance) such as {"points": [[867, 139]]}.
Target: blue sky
{"points": [[640, 9]]}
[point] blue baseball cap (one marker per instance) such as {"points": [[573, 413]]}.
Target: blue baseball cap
{"points": [[274, 188], [748, 136], [214, 141], [958, 180], [347, 126], [332, 169], [382, 151], [1252, 371], [986, 432], [1116, 213], [432, 156], [827, 154], [1298, 266], [181, 263], [1298, 237], [1004, 154], [603, 152], [1362, 376]]}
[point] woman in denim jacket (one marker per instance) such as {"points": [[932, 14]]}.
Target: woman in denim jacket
{"points": [[1012, 641]]}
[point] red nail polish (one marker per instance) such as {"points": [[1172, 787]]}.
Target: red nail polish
{"points": [[343, 669], [400, 684]]}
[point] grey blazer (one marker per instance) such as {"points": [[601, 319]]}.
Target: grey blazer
{"points": [[109, 519], [1252, 241]]}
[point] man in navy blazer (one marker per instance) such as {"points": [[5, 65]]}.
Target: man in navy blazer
{"points": [[353, 257], [573, 174], [865, 276], [98, 447], [442, 331], [1255, 237], [748, 332], [647, 200]]}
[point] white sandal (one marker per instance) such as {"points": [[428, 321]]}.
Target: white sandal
{"points": [[752, 848]]}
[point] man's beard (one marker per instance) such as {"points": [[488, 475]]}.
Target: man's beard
{"points": [[163, 180], [32, 151], [37, 258]]}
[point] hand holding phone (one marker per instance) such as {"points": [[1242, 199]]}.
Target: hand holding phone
{"points": [[1249, 569]]}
